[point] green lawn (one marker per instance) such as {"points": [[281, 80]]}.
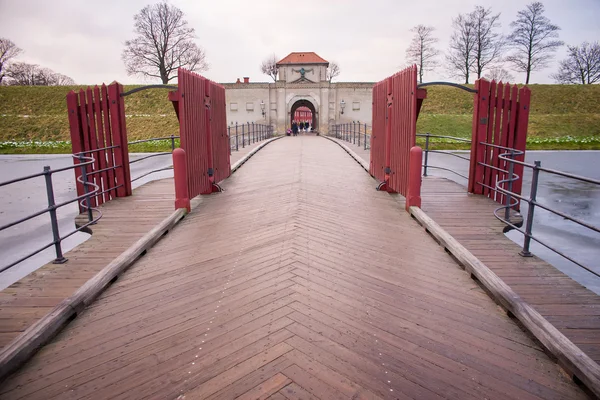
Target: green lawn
{"points": [[562, 117]]}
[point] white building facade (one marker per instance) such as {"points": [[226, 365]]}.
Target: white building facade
{"points": [[302, 81]]}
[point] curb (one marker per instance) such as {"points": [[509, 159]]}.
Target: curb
{"points": [[569, 356]]}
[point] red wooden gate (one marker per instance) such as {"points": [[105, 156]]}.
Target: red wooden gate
{"points": [[200, 107], [396, 105], [97, 125], [500, 118]]}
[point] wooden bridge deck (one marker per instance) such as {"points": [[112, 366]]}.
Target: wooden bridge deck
{"points": [[571, 308], [123, 223], [299, 281]]}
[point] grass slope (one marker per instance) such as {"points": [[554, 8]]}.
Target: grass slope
{"points": [[562, 116]]}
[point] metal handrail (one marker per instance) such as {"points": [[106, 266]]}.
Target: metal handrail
{"points": [[249, 132], [352, 132], [512, 199], [171, 137], [427, 150], [83, 201]]}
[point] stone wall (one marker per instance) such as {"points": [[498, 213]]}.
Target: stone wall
{"points": [[243, 102]]}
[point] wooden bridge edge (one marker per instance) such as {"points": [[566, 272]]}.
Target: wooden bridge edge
{"points": [[569, 356]]}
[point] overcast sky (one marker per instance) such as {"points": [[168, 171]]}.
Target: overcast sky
{"points": [[368, 38]]}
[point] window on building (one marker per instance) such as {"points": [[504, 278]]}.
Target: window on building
{"points": [[233, 106], [356, 105], [249, 106]]}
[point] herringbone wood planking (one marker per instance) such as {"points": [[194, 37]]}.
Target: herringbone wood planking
{"points": [[299, 281]]}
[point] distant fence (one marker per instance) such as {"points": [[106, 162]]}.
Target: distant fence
{"points": [[243, 135], [353, 132]]}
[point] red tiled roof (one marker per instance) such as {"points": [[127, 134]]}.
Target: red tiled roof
{"points": [[303, 58]]}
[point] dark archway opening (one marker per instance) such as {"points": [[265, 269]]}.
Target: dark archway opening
{"points": [[303, 110]]}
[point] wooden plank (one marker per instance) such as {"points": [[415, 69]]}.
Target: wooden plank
{"points": [[267, 388], [110, 153]]}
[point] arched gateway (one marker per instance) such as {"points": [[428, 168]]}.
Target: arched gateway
{"points": [[301, 82], [308, 110]]}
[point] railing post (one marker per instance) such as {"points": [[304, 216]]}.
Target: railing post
{"points": [[85, 188], [359, 133], [229, 138], [532, 198], [172, 142], [413, 197], [243, 137], [237, 145], [426, 153], [253, 134], [354, 132], [182, 199], [60, 259], [365, 141], [511, 169]]}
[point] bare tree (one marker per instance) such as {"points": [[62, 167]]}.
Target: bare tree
{"points": [[333, 71], [533, 38], [500, 74], [8, 51], [421, 50], [488, 43], [25, 74], [61, 80], [582, 65], [269, 66], [460, 60], [164, 42]]}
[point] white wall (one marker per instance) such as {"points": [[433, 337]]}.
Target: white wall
{"points": [[279, 97]]}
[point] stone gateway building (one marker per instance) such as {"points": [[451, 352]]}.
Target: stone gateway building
{"points": [[301, 84]]}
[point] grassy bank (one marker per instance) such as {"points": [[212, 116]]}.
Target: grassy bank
{"points": [[34, 119]]}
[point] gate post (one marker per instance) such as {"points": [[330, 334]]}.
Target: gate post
{"points": [[182, 199], [413, 197], [119, 134]]}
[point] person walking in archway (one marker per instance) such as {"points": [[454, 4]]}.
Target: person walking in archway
{"points": [[294, 128]]}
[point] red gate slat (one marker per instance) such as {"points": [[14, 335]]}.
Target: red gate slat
{"points": [[497, 125], [504, 132], [101, 142], [76, 136], [115, 123], [521, 134], [86, 140], [110, 163], [487, 173], [95, 178]]}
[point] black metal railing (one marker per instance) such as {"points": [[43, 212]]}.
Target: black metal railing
{"points": [[352, 132], [91, 190], [447, 139], [511, 199], [171, 138], [243, 135]]}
